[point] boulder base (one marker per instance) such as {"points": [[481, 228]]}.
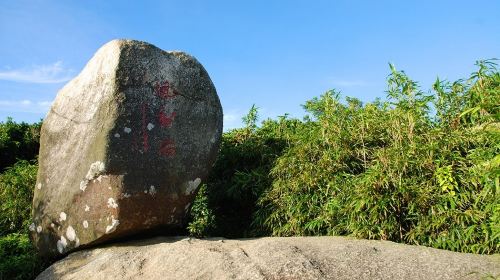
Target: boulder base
{"points": [[124, 147]]}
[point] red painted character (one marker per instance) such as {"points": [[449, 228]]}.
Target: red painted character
{"points": [[163, 90], [166, 120], [167, 148]]}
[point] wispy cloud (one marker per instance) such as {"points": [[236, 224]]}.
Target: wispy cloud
{"points": [[232, 119], [25, 106], [38, 74]]}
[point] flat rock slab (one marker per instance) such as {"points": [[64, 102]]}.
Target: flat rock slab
{"points": [[270, 258]]}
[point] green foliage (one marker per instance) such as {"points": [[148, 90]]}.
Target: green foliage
{"points": [[202, 215], [418, 168], [18, 258], [16, 195], [18, 141], [240, 175]]}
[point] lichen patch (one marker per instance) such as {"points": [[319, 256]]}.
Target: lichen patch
{"points": [[152, 190], [95, 169], [83, 185], [112, 227], [70, 233], [62, 217], [61, 244], [94, 172], [112, 203]]}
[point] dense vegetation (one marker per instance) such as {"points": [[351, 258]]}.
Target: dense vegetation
{"points": [[19, 144], [18, 141], [417, 168]]}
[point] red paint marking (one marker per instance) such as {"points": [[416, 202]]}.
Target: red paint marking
{"points": [[163, 90], [167, 148], [145, 143], [166, 120]]}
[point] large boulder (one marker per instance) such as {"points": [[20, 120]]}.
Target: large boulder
{"points": [[124, 147], [270, 258]]}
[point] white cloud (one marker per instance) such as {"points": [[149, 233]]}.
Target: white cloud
{"points": [[232, 120], [38, 74], [25, 106], [231, 117]]}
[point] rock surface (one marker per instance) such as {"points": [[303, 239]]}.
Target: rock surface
{"points": [[270, 258], [124, 147]]}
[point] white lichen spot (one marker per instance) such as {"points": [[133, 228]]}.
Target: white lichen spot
{"points": [[112, 227], [32, 227], [127, 130], [87, 208], [152, 190], [61, 244], [77, 242], [126, 195], [99, 179], [39, 186], [62, 217], [85, 224], [39, 229], [145, 191], [83, 185], [192, 186], [212, 140], [117, 135], [70, 233], [52, 225], [150, 126], [94, 170], [112, 203]]}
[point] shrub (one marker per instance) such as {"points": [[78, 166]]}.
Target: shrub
{"points": [[16, 195], [202, 215], [419, 168], [18, 141], [19, 259]]}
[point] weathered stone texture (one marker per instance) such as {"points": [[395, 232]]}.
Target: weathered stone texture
{"points": [[124, 147], [271, 258]]}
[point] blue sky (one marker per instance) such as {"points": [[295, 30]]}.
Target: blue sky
{"points": [[276, 54]]}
